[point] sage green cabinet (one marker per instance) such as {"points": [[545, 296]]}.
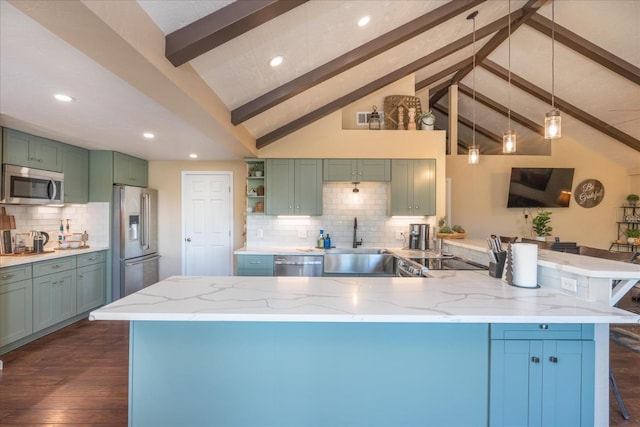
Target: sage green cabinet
{"points": [[90, 281], [413, 187], [22, 149], [75, 166], [54, 292], [16, 303], [129, 170], [255, 265], [293, 187], [352, 170]]}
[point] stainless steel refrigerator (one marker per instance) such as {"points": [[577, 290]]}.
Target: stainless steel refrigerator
{"points": [[135, 239]]}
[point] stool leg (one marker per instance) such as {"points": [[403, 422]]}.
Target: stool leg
{"points": [[616, 393]]}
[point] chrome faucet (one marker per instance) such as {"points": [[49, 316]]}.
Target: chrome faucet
{"points": [[356, 243]]}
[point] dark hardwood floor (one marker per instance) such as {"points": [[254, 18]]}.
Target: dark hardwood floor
{"points": [[78, 377]]}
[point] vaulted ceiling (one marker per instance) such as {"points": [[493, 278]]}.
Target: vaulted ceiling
{"points": [[196, 73]]}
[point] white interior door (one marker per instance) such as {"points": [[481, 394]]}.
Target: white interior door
{"points": [[207, 212]]}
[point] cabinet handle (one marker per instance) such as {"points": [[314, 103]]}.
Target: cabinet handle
{"points": [[55, 266], [255, 262], [553, 359], [535, 359], [544, 326], [93, 258], [8, 276]]}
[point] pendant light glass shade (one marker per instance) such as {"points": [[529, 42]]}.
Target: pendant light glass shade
{"points": [[553, 120], [552, 124], [474, 155], [509, 142]]}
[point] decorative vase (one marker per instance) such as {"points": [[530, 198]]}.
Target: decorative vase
{"points": [[541, 238], [411, 124], [258, 173]]}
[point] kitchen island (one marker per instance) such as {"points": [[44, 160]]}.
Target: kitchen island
{"points": [[292, 351]]}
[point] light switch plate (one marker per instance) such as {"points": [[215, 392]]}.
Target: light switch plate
{"points": [[399, 235], [260, 234], [302, 234], [569, 284]]}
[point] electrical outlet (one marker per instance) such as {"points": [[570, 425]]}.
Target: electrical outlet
{"points": [[259, 233], [399, 235], [569, 284], [302, 234]]}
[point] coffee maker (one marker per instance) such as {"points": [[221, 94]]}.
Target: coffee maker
{"points": [[419, 236]]}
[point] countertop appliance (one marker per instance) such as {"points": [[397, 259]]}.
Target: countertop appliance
{"points": [[297, 265], [419, 236], [28, 186], [135, 237]]}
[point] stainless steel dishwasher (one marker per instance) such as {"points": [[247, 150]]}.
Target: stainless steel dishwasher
{"points": [[297, 265]]}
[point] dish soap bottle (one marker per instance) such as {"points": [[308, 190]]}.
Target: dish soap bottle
{"points": [[327, 241], [61, 235], [320, 243]]}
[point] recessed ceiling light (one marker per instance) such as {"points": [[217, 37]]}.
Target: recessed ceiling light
{"points": [[363, 21], [275, 61], [62, 97], [148, 135], [193, 156]]}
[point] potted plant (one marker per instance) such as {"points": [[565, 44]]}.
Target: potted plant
{"points": [[427, 120], [633, 199], [256, 169], [541, 226], [633, 236]]}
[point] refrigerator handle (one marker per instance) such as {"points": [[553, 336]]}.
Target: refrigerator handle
{"points": [[146, 219]]}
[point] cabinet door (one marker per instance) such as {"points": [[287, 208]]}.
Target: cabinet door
{"points": [[54, 299], [424, 187], [91, 287], [340, 170], [45, 154], [374, 170], [308, 187], [255, 265], [16, 317], [401, 194], [279, 182], [75, 165], [15, 147]]}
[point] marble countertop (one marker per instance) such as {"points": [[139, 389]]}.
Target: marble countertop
{"points": [[450, 296], [11, 260]]}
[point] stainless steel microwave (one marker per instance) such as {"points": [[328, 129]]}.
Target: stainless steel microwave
{"points": [[27, 186]]}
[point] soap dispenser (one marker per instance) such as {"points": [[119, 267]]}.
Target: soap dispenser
{"points": [[327, 241], [320, 243]]}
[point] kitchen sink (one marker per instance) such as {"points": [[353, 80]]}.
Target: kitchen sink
{"points": [[359, 261]]}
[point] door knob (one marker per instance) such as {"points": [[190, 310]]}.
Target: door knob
{"points": [[188, 239]]}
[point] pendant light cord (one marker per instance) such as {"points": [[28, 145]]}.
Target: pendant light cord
{"points": [[553, 56], [509, 92], [473, 137]]}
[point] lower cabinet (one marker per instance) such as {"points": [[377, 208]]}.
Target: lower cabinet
{"points": [[54, 292], [255, 265], [90, 281], [16, 296], [542, 375]]}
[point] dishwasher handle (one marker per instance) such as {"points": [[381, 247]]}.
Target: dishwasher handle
{"points": [[292, 261]]}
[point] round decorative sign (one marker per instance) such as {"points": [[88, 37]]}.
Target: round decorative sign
{"points": [[589, 193]]}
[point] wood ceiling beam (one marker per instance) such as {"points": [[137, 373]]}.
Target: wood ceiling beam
{"points": [[350, 59], [378, 84], [495, 106], [219, 27], [442, 74], [517, 18], [562, 105], [586, 48], [466, 122]]}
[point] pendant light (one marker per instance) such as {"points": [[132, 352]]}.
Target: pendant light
{"points": [[474, 150], [553, 120], [509, 136]]}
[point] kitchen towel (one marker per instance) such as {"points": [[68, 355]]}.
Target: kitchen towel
{"points": [[524, 264]]}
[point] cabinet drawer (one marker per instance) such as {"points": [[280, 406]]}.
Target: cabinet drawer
{"points": [[539, 331], [254, 263], [54, 266], [90, 259], [15, 274]]}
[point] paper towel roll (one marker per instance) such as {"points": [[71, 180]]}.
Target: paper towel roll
{"points": [[525, 265]]}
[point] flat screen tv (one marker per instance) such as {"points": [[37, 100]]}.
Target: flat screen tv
{"points": [[540, 187]]}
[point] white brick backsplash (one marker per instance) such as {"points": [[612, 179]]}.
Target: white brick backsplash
{"points": [[340, 207], [92, 218]]}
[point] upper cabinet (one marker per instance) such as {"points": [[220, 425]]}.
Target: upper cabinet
{"points": [[413, 187], [293, 186], [352, 170], [75, 166], [31, 151], [129, 170]]}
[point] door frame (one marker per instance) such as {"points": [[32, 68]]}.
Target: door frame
{"points": [[183, 249]]}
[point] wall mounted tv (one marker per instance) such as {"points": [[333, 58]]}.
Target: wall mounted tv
{"points": [[540, 187]]}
